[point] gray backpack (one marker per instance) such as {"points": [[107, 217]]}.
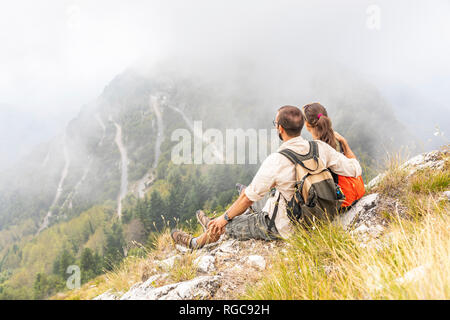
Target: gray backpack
{"points": [[316, 194]]}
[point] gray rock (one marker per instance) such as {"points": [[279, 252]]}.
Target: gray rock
{"points": [[237, 268], [365, 206], [205, 263], [108, 295], [140, 289], [412, 275], [228, 246], [375, 181], [361, 229], [423, 161], [376, 230], [198, 288], [257, 262], [182, 249], [447, 194], [168, 263]]}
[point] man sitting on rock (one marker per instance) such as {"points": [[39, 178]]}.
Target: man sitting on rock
{"points": [[278, 172]]}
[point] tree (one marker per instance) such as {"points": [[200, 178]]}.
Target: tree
{"points": [[135, 232], [156, 209], [175, 200], [142, 212], [62, 262], [45, 285], [114, 246], [90, 264]]}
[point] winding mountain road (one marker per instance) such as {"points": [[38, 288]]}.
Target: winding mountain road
{"points": [[150, 176], [68, 201], [190, 124], [59, 190], [124, 169]]}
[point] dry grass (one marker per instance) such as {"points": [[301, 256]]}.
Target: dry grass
{"points": [[327, 263], [120, 279], [136, 269], [411, 261], [430, 181], [393, 181], [184, 269]]}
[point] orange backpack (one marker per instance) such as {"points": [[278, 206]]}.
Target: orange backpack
{"points": [[352, 188]]}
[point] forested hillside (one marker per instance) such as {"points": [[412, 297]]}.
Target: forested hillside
{"points": [[99, 191]]}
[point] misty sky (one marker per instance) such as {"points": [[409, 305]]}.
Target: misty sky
{"points": [[58, 55]]}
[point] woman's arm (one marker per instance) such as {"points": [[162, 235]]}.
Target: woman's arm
{"points": [[346, 148]]}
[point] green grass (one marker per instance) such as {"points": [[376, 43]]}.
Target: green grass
{"points": [[429, 181], [184, 269], [393, 181], [328, 263]]}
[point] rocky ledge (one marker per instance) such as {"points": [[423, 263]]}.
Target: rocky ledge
{"points": [[225, 268]]}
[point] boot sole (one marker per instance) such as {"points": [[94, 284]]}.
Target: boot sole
{"points": [[200, 221]]}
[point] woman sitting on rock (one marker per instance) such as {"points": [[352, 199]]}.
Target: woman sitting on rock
{"points": [[319, 125], [277, 172]]}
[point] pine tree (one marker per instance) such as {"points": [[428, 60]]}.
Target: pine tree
{"points": [[61, 264], [87, 265], [114, 246], [156, 209]]}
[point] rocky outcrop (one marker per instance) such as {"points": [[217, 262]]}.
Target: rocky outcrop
{"points": [[446, 195], [255, 261], [108, 295], [365, 218], [224, 269], [364, 208], [429, 160], [205, 264], [202, 287]]}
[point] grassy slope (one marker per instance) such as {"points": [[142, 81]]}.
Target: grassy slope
{"points": [[410, 261], [38, 254]]}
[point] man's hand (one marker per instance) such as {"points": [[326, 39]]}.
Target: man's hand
{"points": [[217, 226]]}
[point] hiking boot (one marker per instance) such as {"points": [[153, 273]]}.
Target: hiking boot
{"points": [[182, 238], [202, 219], [240, 187]]}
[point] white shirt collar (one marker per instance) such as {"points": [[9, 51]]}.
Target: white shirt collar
{"points": [[292, 141]]}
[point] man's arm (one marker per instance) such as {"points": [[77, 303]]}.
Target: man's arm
{"points": [[237, 208], [263, 181], [339, 163]]}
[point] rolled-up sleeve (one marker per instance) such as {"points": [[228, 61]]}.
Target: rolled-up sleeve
{"points": [[338, 163], [263, 180]]}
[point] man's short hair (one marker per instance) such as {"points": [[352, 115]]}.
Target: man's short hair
{"points": [[291, 119]]}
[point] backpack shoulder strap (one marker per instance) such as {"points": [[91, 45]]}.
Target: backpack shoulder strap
{"points": [[297, 158], [274, 214], [314, 149]]}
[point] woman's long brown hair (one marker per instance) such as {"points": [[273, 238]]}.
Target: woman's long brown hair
{"points": [[322, 125]]}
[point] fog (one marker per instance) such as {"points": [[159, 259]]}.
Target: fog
{"points": [[58, 55]]}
